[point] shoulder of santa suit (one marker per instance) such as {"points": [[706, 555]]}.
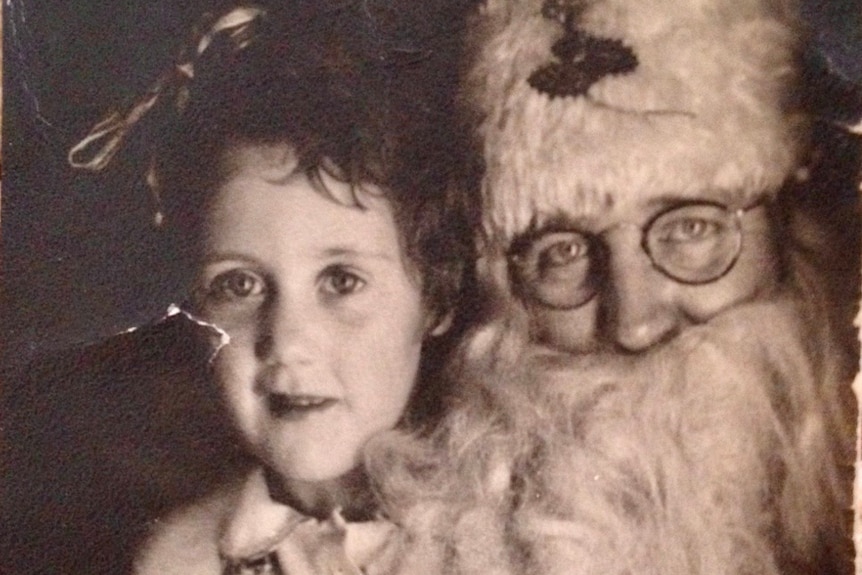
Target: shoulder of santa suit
{"points": [[186, 541]]}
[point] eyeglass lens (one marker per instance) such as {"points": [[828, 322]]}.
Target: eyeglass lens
{"points": [[692, 244]]}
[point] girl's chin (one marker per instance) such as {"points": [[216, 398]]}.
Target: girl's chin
{"points": [[318, 493]]}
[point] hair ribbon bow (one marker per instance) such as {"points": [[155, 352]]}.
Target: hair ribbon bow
{"points": [[95, 151]]}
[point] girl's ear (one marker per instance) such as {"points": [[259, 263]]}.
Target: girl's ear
{"points": [[440, 324]]}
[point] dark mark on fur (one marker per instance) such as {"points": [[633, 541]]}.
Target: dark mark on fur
{"points": [[583, 59]]}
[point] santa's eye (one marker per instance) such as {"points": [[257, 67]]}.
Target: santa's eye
{"points": [[555, 269], [688, 230], [694, 243], [560, 249]]}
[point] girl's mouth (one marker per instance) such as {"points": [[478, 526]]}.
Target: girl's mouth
{"points": [[283, 405]]}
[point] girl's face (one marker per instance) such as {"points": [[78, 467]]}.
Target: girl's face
{"points": [[325, 322]]}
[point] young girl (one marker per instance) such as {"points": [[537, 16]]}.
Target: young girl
{"points": [[312, 173]]}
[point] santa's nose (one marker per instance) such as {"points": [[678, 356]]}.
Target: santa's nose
{"points": [[639, 310]]}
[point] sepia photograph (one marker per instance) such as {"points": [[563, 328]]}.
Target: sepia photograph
{"points": [[443, 287]]}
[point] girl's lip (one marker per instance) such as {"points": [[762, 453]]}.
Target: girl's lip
{"points": [[286, 405]]}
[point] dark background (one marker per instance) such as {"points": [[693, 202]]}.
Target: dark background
{"points": [[94, 443], [81, 257]]}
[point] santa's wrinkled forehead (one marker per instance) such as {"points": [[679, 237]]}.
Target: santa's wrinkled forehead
{"points": [[592, 185], [603, 211]]}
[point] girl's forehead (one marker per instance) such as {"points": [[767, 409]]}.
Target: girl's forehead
{"points": [[278, 163], [271, 162], [249, 210]]}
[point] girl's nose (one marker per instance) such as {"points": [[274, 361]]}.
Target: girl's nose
{"points": [[285, 332]]}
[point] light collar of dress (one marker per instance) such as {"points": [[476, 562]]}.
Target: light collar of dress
{"points": [[264, 536]]}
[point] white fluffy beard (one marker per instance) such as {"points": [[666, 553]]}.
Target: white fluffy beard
{"points": [[725, 451]]}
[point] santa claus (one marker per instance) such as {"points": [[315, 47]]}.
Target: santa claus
{"points": [[662, 380]]}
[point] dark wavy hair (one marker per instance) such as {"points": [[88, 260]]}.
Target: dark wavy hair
{"points": [[354, 88]]}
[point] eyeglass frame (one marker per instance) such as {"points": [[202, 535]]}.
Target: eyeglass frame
{"points": [[520, 245]]}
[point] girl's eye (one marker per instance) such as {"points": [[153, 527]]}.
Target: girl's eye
{"points": [[236, 285], [338, 281]]}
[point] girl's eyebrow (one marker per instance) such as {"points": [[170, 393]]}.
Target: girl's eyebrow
{"points": [[214, 257], [353, 252]]}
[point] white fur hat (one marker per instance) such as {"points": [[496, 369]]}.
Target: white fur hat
{"points": [[578, 103]]}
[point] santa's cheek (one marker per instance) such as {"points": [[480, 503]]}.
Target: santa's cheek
{"points": [[700, 304], [574, 330]]}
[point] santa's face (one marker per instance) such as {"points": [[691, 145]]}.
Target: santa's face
{"points": [[638, 272]]}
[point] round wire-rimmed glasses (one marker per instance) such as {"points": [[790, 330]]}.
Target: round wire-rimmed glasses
{"points": [[692, 243]]}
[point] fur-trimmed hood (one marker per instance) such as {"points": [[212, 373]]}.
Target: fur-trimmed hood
{"points": [[579, 103]]}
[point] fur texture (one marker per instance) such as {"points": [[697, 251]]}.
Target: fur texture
{"points": [[706, 107], [726, 451], [720, 453]]}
